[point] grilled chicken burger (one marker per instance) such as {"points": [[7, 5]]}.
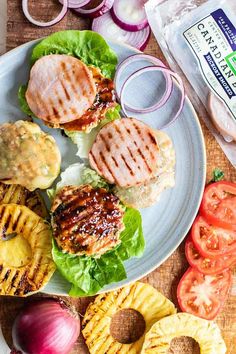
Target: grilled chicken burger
{"points": [[66, 93], [28, 156], [137, 159], [86, 220]]}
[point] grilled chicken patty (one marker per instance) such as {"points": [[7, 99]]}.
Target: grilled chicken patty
{"points": [[61, 89], [86, 220], [125, 152]]}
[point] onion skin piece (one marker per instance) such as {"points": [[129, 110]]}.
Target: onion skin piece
{"points": [[45, 326], [105, 26], [44, 24], [97, 11], [154, 61], [155, 68], [72, 3], [131, 27]]}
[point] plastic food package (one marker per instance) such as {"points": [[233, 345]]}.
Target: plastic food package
{"points": [[198, 39]]}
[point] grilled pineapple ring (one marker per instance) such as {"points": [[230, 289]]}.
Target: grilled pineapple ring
{"points": [[16, 194], [140, 297], [206, 333], [26, 263]]}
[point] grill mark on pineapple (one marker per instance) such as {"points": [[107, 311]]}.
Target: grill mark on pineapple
{"points": [[10, 288], [15, 279], [7, 274], [7, 222], [15, 223], [2, 211]]}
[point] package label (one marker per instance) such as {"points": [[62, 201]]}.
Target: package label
{"points": [[213, 42]]}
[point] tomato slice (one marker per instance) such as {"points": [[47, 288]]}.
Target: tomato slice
{"points": [[207, 265], [203, 295], [212, 241], [219, 204]]}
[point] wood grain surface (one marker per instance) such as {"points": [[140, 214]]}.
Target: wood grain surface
{"points": [[167, 276]]}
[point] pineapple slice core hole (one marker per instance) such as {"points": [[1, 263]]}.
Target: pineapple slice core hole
{"points": [[15, 251], [127, 326]]}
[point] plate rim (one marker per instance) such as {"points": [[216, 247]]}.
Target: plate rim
{"points": [[204, 170]]}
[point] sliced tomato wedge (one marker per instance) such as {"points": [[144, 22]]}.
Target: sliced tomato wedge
{"points": [[203, 295], [207, 265], [212, 241], [219, 204]]}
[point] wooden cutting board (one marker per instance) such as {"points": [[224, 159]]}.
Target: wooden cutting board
{"points": [[167, 276]]}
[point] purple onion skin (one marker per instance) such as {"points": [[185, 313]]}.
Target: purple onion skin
{"points": [[144, 45], [96, 13], [126, 26], [45, 327]]}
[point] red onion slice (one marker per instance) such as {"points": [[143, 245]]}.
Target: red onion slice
{"points": [[95, 8], [155, 68], [156, 62], [44, 24], [129, 15], [74, 4], [107, 28]]}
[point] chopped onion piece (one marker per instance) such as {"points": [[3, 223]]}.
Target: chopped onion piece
{"points": [[107, 28], [155, 68], [137, 57], [44, 24], [74, 4], [95, 8], [129, 15]]}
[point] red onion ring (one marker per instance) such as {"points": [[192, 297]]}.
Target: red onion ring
{"points": [[96, 11], [155, 68], [107, 28], [156, 62], [44, 24], [123, 11], [74, 4]]}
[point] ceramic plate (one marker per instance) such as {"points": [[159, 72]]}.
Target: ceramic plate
{"points": [[165, 224]]}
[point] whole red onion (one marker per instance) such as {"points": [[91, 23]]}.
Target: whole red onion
{"points": [[46, 327]]}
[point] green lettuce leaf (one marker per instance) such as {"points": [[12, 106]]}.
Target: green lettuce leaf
{"points": [[84, 141], [88, 46], [87, 274], [133, 242], [22, 101]]}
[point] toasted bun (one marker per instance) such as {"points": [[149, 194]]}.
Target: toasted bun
{"points": [[28, 156]]}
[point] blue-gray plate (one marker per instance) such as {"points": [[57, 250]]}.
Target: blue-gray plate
{"points": [[166, 223]]}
